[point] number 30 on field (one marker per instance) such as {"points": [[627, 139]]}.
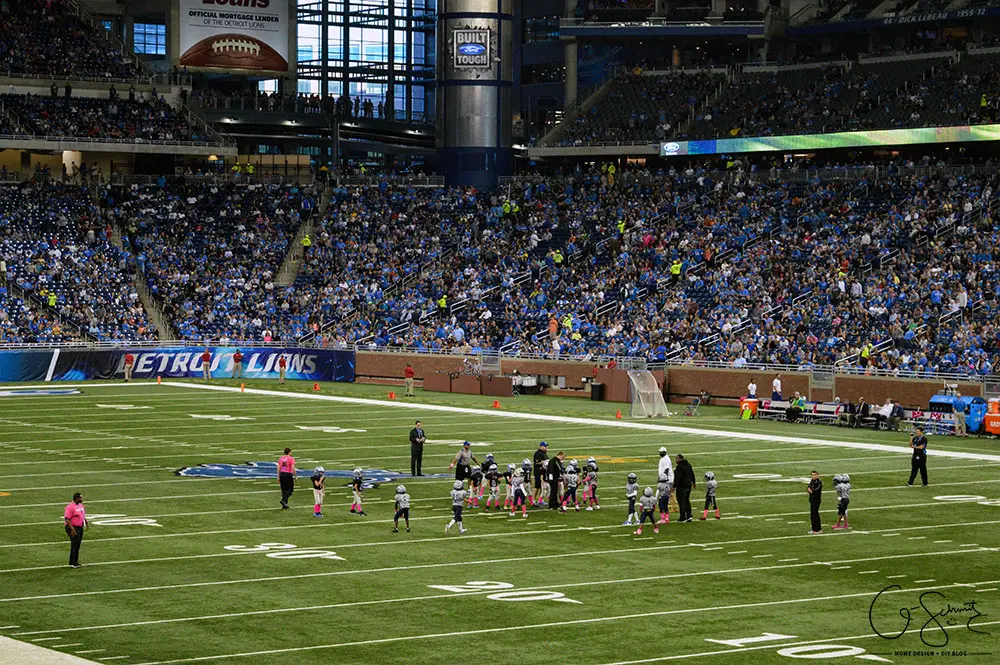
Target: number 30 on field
{"points": [[285, 551]]}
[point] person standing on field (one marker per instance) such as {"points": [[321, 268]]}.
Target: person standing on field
{"points": [[918, 444], [237, 365], [541, 455], [286, 477], [417, 441], [408, 375], [815, 491], [683, 484], [282, 368], [129, 364], [75, 519], [206, 365]]}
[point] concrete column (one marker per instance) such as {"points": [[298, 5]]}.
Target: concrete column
{"points": [[570, 57]]}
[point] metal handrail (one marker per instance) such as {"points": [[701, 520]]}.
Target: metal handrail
{"points": [[87, 139]]}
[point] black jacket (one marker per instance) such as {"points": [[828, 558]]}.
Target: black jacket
{"points": [[683, 475], [539, 456], [555, 470], [417, 436]]}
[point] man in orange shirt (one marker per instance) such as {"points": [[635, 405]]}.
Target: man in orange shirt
{"points": [[408, 375], [282, 368]]}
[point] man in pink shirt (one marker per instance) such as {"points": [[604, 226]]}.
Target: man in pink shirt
{"points": [[286, 477], [75, 517]]}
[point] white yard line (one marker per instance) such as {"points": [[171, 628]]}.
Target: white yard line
{"points": [[490, 561], [771, 645], [536, 626], [385, 601], [750, 436]]}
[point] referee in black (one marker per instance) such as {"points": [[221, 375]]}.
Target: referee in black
{"points": [[918, 444], [417, 440]]}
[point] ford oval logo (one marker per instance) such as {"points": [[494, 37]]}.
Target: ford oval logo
{"points": [[671, 148], [472, 49]]}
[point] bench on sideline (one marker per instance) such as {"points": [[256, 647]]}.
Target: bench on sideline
{"points": [[834, 413]]}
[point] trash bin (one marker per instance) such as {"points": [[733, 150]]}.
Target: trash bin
{"points": [[597, 392]]}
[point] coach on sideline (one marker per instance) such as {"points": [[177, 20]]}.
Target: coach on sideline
{"points": [[417, 440], [286, 477], [75, 518]]}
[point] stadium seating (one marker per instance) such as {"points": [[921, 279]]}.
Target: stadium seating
{"points": [[210, 254], [931, 90], [110, 117], [58, 253], [48, 39]]}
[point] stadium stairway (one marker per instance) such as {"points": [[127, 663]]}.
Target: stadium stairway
{"points": [[293, 260], [153, 311], [555, 135]]}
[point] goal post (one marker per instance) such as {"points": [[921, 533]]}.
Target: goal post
{"points": [[647, 398]]}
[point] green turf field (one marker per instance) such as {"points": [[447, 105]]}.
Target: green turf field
{"points": [[180, 569]]}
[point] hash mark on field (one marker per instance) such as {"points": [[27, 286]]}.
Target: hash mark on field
{"points": [[969, 545], [46, 639], [645, 538], [737, 552], [985, 590], [916, 537], [941, 541], [894, 577], [6, 627], [598, 531], [90, 651], [890, 535], [710, 549], [66, 646], [796, 522], [786, 560], [114, 657], [840, 568], [622, 535], [924, 581], [867, 572], [773, 519], [761, 556]]}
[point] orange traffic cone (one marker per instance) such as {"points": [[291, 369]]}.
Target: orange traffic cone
{"points": [[242, 387], [159, 380], [496, 404], [618, 414], [316, 386], [392, 395]]}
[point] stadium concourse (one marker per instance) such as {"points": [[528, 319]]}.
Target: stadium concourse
{"points": [[767, 271]]}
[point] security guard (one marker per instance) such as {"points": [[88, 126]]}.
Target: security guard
{"points": [[675, 271]]}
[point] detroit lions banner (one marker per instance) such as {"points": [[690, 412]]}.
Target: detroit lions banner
{"points": [[175, 362]]}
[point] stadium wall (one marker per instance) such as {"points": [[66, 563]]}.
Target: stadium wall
{"points": [[682, 383]]}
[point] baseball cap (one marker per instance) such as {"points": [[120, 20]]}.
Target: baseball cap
{"points": [[466, 444], [543, 445], [662, 449]]}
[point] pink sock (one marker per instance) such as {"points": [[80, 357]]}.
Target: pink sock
{"points": [[316, 508]]}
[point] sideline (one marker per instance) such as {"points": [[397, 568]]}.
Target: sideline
{"points": [[21, 652], [590, 421]]}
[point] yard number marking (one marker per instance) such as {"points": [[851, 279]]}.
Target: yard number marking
{"points": [[285, 551], [328, 429], [121, 520], [509, 596]]}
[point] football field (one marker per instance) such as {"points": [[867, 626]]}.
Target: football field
{"points": [[204, 567]]}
